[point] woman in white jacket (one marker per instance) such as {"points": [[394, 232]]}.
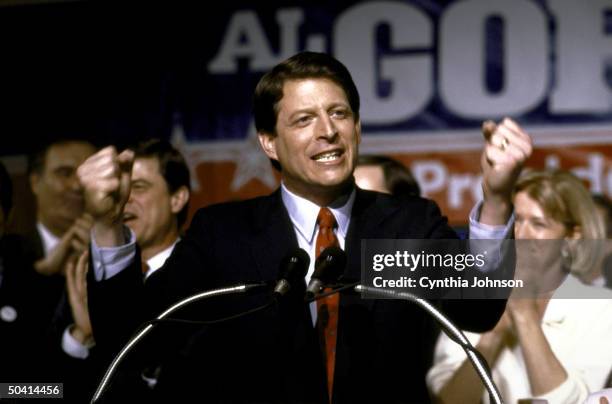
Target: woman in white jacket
{"points": [[555, 345]]}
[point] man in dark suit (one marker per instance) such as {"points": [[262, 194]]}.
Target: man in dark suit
{"points": [[61, 234], [62, 230], [32, 317], [307, 118]]}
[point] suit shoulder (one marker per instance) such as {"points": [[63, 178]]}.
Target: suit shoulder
{"points": [[410, 216], [234, 213], [16, 245], [407, 203]]}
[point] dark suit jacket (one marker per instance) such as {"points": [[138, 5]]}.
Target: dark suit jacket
{"points": [[273, 355], [30, 346], [22, 320]]}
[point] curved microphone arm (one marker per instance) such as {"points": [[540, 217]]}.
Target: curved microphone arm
{"points": [[445, 323], [134, 340]]}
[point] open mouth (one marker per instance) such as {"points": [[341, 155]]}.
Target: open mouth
{"points": [[127, 216], [328, 156]]}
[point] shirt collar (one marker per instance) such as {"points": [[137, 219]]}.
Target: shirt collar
{"points": [[158, 260], [49, 240], [303, 213]]}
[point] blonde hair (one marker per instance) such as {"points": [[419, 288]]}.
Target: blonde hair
{"points": [[564, 198]]}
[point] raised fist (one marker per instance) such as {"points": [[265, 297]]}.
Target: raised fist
{"points": [[105, 178]]}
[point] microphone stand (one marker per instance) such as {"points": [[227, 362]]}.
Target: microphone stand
{"points": [[141, 334], [446, 324]]}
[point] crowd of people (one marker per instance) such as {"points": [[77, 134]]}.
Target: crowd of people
{"points": [[45, 327], [108, 253]]}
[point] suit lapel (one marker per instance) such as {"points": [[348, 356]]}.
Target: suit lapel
{"points": [[366, 218], [274, 236], [35, 244]]}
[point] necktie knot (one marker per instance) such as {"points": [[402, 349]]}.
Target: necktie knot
{"points": [[326, 219], [326, 237]]}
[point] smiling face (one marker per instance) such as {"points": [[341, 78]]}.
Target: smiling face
{"points": [[540, 239], [533, 223], [151, 209], [316, 140], [58, 192]]}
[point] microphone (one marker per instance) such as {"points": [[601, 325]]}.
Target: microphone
{"points": [[328, 268], [293, 270]]}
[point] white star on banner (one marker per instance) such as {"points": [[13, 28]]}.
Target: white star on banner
{"points": [[252, 163]]}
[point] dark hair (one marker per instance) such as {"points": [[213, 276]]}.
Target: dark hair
{"points": [[269, 90], [6, 191], [37, 158], [398, 178], [172, 167]]}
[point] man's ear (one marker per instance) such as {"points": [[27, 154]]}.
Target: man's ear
{"points": [[267, 142], [179, 199], [358, 131]]}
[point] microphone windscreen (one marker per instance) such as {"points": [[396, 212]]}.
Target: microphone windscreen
{"points": [[330, 264], [295, 266]]}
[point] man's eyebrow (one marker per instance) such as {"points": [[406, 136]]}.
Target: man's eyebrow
{"points": [[339, 104], [310, 109], [65, 164], [301, 111]]}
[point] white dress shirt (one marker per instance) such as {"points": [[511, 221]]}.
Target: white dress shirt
{"points": [[303, 214], [157, 261], [49, 240], [579, 332]]}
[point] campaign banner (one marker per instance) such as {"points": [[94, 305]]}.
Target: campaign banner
{"points": [[428, 74]]}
